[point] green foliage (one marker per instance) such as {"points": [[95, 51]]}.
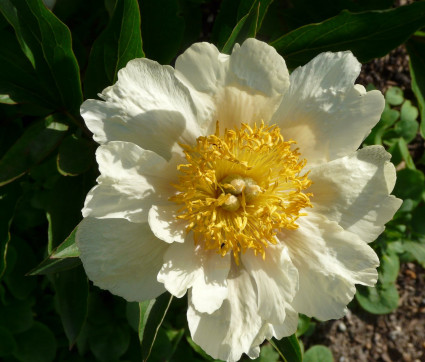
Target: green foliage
{"points": [[416, 48], [48, 310], [289, 348], [120, 42], [368, 34], [318, 353]]}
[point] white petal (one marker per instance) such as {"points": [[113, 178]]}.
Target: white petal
{"points": [[203, 67], [165, 225], [180, 268], [324, 112], [148, 106], [354, 191], [210, 287], [122, 257], [258, 66], [229, 331], [131, 180], [330, 261], [276, 279]]}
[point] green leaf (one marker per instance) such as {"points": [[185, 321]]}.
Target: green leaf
{"points": [[64, 257], [389, 268], [399, 152], [75, 156], [47, 41], [37, 344], [9, 196], [18, 79], [68, 249], [417, 250], [120, 42], [245, 7], [245, 28], [408, 111], [72, 291], [288, 348], [16, 317], [225, 22], [410, 184], [368, 35], [5, 99], [7, 342], [152, 314], [18, 284], [418, 217], [267, 354], [318, 353], [378, 300], [162, 29], [394, 96], [110, 342], [416, 49], [32, 147]]}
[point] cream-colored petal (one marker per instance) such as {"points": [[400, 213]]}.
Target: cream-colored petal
{"points": [[258, 66], [180, 268], [131, 180], [148, 106], [230, 330], [276, 281], [164, 223], [203, 68], [324, 112], [210, 287], [122, 257], [330, 261], [355, 191]]}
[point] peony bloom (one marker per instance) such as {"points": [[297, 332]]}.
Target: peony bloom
{"points": [[231, 180]]}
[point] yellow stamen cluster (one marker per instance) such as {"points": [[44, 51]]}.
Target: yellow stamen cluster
{"points": [[238, 190]]}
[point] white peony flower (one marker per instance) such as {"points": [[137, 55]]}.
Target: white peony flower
{"points": [[238, 183]]}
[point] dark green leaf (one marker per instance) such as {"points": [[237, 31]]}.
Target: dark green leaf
{"points": [[225, 22], [64, 257], [47, 41], [68, 249], [245, 28], [368, 35], [418, 218], [18, 284], [75, 156], [410, 184], [399, 152], [318, 353], [378, 300], [72, 292], [37, 344], [162, 29], [288, 348], [32, 147], [304, 324], [246, 5], [416, 48], [7, 342], [120, 42], [110, 342], [9, 196], [18, 79], [49, 266], [152, 314], [16, 317]]}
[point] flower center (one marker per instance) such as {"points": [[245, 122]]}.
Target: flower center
{"points": [[238, 190]]}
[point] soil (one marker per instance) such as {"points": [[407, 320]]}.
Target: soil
{"points": [[399, 336]]}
